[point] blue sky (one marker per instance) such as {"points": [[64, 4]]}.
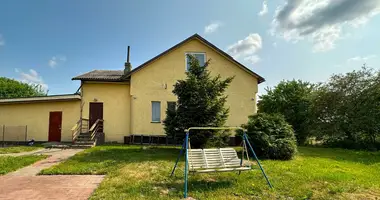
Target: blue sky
{"points": [[48, 42]]}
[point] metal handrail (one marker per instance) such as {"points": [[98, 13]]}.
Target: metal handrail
{"points": [[76, 130], [96, 127]]}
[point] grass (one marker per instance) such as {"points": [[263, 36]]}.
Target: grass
{"points": [[143, 173], [18, 149], [12, 163]]}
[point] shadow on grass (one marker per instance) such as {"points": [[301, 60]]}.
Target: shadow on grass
{"points": [[199, 185], [363, 157]]}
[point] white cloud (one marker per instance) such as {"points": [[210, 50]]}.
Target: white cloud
{"points": [[213, 27], [2, 41], [264, 9], [322, 22], [246, 48], [252, 59], [361, 59], [55, 60], [32, 77]]}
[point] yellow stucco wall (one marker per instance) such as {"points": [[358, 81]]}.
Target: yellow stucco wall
{"points": [[155, 83], [116, 107], [36, 117]]}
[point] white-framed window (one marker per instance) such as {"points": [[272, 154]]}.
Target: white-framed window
{"points": [[200, 56], [156, 111]]}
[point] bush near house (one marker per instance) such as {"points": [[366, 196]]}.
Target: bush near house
{"points": [[201, 102], [271, 136], [291, 99]]}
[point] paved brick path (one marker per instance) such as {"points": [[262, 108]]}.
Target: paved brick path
{"points": [[73, 187], [24, 184]]}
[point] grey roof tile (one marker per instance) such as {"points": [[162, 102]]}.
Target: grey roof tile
{"points": [[101, 75]]}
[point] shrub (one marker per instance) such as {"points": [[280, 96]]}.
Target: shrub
{"points": [[293, 100], [271, 136]]}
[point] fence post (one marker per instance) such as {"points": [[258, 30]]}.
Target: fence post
{"points": [[3, 135], [26, 133]]}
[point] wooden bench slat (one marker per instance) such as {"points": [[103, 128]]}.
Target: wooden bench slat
{"points": [[214, 160]]}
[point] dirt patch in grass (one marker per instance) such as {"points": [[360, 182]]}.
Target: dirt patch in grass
{"points": [[366, 194]]}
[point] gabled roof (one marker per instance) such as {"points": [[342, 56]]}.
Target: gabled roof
{"points": [[196, 36], [63, 97], [117, 75], [101, 75]]}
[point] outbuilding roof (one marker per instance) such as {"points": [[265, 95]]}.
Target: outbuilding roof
{"points": [[65, 97], [101, 75]]}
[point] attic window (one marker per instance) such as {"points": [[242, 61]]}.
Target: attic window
{"points": [[201, 57]]}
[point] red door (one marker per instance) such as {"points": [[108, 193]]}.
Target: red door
{"points": [[55, 124], [96, 112]]}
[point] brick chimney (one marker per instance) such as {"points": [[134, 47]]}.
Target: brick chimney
{"points": [[127, 65]]}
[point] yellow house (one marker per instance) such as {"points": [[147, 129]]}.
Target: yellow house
{"points": [[131, 101]]}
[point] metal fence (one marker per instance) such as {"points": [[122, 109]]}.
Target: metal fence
{"points": [[13, 134]]}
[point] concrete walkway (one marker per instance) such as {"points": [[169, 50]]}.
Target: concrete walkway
{"points": [[24, 184], [55, 156]]}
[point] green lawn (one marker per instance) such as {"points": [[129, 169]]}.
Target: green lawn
{"points": [[12, 163], [18, 149], [316, 173]]}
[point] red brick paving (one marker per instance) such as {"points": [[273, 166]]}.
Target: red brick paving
{"points": [[73, 187], [24, 184]]}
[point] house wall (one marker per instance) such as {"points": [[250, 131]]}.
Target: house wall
{"points": [[116, 107], [36, 116], [155, 83]]}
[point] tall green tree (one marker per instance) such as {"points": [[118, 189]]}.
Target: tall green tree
{"points": [[10, 88], [347, 108], [201, 102], [292, 100]]}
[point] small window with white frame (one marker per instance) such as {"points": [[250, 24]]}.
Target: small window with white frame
{"points": [[200, 56], [156, 111]]}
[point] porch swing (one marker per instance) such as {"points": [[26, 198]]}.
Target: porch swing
{"points": [[218, 159]]}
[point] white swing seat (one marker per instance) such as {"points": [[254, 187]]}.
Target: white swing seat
{"points": [[214, 160]]}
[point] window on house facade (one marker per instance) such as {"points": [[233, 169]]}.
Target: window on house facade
{"points": [[156, 111], [201, 57], [171, 105]]}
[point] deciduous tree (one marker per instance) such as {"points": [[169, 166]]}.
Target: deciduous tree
{"points": [[10, 88]]}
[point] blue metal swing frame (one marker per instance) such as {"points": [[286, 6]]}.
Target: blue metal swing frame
{"points": [[185, 147]]}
